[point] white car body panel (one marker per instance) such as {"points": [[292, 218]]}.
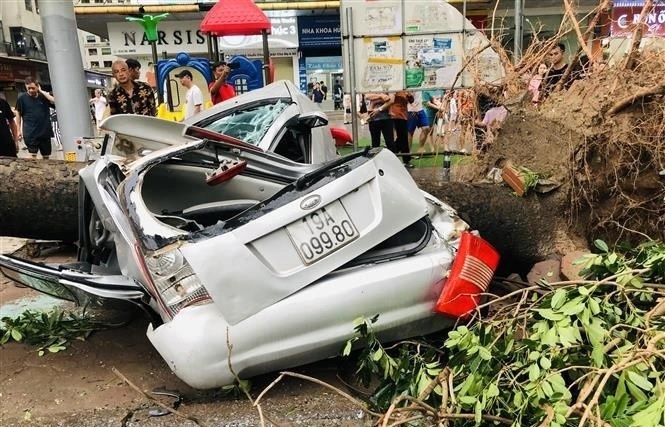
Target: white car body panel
{"points": [[307, 326]]}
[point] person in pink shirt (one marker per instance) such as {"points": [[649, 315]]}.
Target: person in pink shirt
{"points": [[536, 82]]}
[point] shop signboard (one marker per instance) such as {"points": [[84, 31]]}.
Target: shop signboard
{"points": [[626, 14], [129, 39], [319, 31], [415, 44]]}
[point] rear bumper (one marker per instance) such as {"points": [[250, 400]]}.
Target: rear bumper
{"points": [[199, 344]]}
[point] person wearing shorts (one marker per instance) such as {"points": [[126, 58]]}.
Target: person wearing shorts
{"points": [[418, 119], [33, 118]]}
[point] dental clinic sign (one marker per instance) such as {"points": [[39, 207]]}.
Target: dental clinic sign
{"points": [[626, 13]]}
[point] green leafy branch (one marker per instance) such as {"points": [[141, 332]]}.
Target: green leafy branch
{"points": [[50, 331], [570, 353]]}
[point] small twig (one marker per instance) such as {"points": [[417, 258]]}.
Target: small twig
{"points": [[550, 416], [155, 401], [331, 387]]}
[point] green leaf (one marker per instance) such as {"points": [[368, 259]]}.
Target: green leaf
{"points": [[602, 246], [549, 314], [484, 353], [492, 390], [534, 372], [637, 394], [347, 348], [573, 306], [549, 338], [377, 355], [639, 380], [594, 305], [559, 298], [16, 335], [478, 410], [545, 363], [598, 355]]}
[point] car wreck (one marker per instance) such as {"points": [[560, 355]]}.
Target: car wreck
{"points": [[250, 258]]}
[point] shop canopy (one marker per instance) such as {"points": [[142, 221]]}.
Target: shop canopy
{"points": [[237, 18]]}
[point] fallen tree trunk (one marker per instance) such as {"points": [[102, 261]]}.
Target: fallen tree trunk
{"points": [[38, 199]]}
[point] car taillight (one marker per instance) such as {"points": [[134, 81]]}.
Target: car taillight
{"points": [[471, 273], [175, 282]]}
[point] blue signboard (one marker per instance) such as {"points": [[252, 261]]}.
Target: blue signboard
{"points": [[323, 63], [319, 31]]}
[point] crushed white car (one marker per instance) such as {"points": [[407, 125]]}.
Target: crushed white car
{"points": [[252, 261]]}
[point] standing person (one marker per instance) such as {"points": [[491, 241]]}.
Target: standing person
{"points": [[346, 104], [399, 115], [557, 68], [194, 97], [99, 104], [134, 68], [418, 119], [379, 120], [130, 96], [220, 89], [535, 84], [34, 119], [8, 130], [317, 94], [324, 89], [338, 95]]}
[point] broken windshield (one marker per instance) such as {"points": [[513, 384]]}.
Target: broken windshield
{"points": [[249, 124]]}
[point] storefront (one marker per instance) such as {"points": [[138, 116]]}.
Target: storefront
{"points": [[320, 44], [625, 16]]}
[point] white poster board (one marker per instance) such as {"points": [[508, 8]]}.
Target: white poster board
{"points": [[413, 44]]}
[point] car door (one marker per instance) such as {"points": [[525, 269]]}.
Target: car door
{"points": [[79, 287], [322, 218]]}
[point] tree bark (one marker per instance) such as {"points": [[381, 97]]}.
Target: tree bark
{"points": [[39, 198]]}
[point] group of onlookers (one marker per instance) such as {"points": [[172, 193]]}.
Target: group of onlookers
{"points": [[549, 74]]}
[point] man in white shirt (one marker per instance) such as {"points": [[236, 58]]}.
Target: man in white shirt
{"points": [[99, 103], [194, 97]]}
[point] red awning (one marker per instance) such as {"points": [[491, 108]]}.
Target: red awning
{"points": [[235, 18]]}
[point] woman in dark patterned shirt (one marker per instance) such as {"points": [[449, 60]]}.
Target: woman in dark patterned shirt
{"points": [[129, 96]]}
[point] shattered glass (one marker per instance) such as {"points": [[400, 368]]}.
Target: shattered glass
{"points": [[251, 124]]}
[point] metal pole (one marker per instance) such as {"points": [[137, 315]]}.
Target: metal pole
{"points": [[155, 58], [66, 73], [352, 77], [517, 54], [266, 58], [210, 42]]}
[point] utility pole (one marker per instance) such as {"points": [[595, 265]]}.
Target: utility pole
{"points": [[517, 49], [68, 79]]}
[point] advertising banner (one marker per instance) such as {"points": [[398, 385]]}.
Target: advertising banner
{"points": [[626, 14], [414, 44]]}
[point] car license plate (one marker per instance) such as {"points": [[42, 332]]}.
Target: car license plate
{"points": [[322, 232]]}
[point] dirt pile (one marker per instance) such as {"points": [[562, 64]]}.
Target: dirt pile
{"points": [[604, 140]]}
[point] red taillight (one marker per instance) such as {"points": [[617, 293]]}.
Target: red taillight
{"points": [[470, 275]]}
